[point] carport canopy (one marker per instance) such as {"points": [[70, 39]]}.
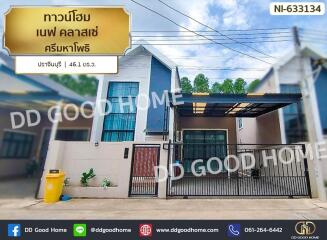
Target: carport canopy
{"points": [[231, 105]]}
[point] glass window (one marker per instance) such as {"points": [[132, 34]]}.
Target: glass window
{"points": [[72, 135], [294, 118], [119, 124], [16, 145]]}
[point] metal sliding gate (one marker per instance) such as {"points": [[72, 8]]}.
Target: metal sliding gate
{"points": [[142, 179], [276, 170]]}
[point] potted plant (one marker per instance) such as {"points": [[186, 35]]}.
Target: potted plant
{"points": [[86, 176], [106, 183]]}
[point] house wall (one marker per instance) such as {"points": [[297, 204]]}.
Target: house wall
{"points": [[210, 123], [12, 167], [268, 85], [286, 74], [290, 73], [266, 128], [79, 123], [160, 81], [247, 134], [172, 124], [137, 67], [107, 160], [132, 68], [260, 130]]}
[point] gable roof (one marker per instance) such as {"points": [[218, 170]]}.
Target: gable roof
{"points": [[306, 51], [42, 81], [156, 53]]}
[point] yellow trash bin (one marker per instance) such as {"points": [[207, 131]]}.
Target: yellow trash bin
{"points": [[54, 182]]}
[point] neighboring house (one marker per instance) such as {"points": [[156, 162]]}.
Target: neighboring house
{"points": [[284, 77], [19, 93], [288, 125], [127, 143]]}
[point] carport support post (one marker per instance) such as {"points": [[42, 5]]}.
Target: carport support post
{"points": [[311, 112]]}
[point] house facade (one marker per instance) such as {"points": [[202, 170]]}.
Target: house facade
{"points": [[135, 140], [146, 73]]}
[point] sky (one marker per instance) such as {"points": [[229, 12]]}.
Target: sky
{"points": [[226, 16]]}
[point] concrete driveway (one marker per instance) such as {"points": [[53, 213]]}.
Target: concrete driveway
{"points": [[164, 209], [18, 188]]}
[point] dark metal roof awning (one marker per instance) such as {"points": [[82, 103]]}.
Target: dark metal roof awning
{"points": [[232, 105]]}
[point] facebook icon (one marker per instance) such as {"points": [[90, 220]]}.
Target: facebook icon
{"points": [[13, 230]]}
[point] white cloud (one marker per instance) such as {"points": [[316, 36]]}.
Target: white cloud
{"points": [[236, 17], [219, 14]]}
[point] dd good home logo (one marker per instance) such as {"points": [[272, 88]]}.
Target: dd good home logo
{"points": [[145, 230], [305, 228]]}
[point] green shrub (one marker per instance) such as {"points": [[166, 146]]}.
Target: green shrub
{"points": [[86, 176], [106, 183]]}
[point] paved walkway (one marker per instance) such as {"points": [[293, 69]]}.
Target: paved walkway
{"points": [[164, 209]]}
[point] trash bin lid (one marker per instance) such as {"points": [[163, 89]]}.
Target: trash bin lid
{"points": [[55, 174]]}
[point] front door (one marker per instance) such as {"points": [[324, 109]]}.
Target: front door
{"points": [[203, 144]]}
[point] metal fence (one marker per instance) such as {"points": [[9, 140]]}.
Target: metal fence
{"points": [[237, 170]]}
